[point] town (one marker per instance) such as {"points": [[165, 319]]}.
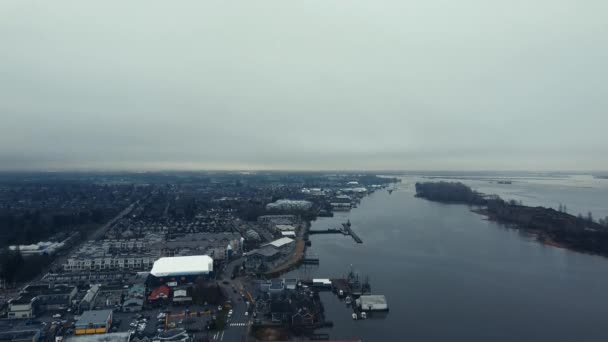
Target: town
{"points": [[188, 256]]}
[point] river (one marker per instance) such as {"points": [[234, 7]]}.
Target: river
{"points": [[450, 275]]}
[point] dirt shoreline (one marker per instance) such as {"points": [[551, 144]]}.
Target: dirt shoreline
{"points": [[540, 236]]}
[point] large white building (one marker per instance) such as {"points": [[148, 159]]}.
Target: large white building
{"points": [[286, 204], [182, 266]]}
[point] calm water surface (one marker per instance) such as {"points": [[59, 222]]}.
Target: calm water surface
{"points": [[449, 275]]}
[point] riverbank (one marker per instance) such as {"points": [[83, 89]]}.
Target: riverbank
{"points": [[552, 227], [538, 235], [440, 265]]}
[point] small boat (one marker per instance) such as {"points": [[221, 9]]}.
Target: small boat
{"points": [[354, 316], [348, 300], [363, 315]]}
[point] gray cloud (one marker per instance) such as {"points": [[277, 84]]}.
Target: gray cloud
{"points": [[442, 84]]}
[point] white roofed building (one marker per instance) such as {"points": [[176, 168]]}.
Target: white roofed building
{"points": [[285, 228], [288, 234], [286, 204], [182, 266], [282, 243]]}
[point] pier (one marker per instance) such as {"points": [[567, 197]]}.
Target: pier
{"points": [[310, 261], [351, 233], [346, 230]]}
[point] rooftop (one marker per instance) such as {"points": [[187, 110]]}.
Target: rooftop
{"points": [[112, 337], [266, 251], [182, 265], [94, 317], [285, 227], [280, 242]]}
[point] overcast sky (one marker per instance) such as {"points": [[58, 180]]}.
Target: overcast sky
{"points": [[416, 84]]}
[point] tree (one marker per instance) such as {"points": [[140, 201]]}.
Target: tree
{"points": [[11, 263]]}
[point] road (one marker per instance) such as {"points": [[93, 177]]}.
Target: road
{"points": [[237, 326]]}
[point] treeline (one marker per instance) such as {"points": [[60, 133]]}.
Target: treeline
{"points": [[449, 192], [22, 228], [14, 268], [578, 233]]}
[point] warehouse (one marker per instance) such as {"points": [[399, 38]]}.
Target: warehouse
{"points": [[283, 244], [182, 266], [94, 322], [173, 271]]}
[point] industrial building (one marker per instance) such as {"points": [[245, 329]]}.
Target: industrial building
{"points": [[174, 271], [282, 244], [182, 266], [269, 254], [94, 322], [258, 257]]}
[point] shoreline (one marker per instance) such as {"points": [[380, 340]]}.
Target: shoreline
{"points": [[539, 236]]}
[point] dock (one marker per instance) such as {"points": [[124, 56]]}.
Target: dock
{"points": [[310, 261], [351, 233], [372, 303], [346, 230], [327, 231]]}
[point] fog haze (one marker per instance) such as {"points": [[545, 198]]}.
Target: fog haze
{"points": [[449, 85]]}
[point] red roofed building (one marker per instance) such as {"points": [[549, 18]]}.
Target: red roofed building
{"points": [[160, 293]]}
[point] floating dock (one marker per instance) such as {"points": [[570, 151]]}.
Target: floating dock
{"points": [[372, 303], [310, 261]]}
